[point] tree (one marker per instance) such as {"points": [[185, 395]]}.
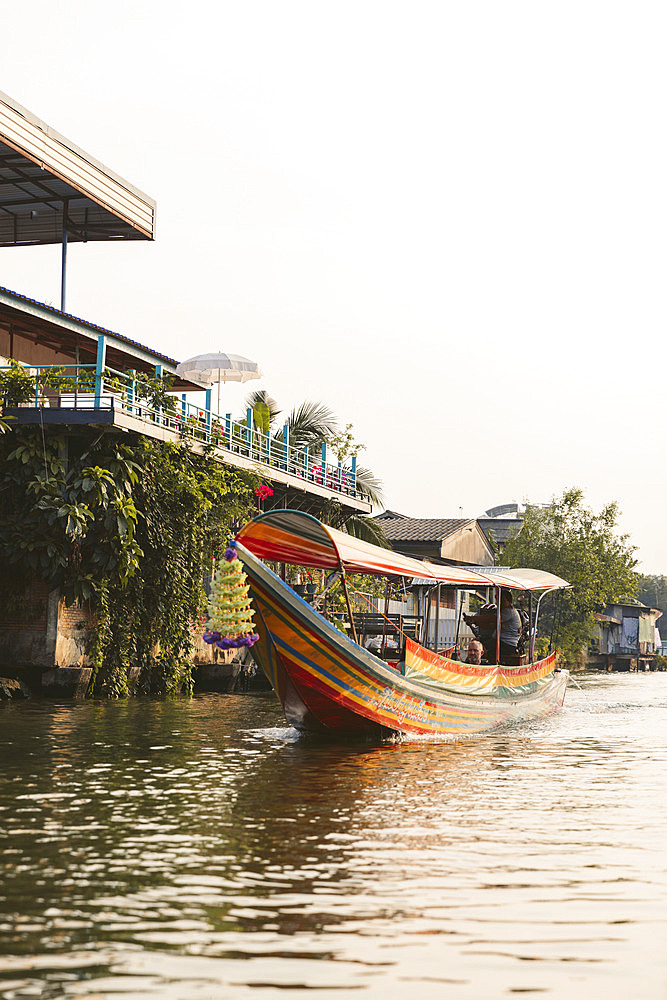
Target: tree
{"points": [[652, 590], [571, 540], [343, 444]]}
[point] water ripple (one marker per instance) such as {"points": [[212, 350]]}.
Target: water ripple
{"points": [[197, 849]]}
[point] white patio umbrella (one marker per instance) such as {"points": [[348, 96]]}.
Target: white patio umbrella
{"points": [[219, 367]]}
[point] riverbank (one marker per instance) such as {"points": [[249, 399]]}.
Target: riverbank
{"points": [[230, 673]]}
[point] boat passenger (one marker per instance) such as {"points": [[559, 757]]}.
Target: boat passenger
{"points": [[475, 652]]}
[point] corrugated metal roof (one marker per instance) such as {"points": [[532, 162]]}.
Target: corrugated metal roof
{"points": [[46, 180]]}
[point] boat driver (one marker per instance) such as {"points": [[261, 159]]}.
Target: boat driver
{"points": [[510, 628]]}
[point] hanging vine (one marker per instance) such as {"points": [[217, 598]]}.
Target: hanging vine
{"points": [[127, 527]]}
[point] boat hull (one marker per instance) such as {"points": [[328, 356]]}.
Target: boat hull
{"points": [[328, 684]]}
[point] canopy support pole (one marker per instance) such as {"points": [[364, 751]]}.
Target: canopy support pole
{"points": [[539, 602], [459, 602], [386, 613], [436, 637], [531, 634], [347, 601], [427, 616], [498, 593]]}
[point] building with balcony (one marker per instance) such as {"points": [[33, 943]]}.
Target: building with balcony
{"points": [[84, 375]]}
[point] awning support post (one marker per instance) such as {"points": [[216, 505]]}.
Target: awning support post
{"points": [[63, 265]]}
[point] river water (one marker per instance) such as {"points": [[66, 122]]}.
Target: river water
{"points": [[196, 849]]}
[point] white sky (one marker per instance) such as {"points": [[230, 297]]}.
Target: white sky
{"points": [[445, 220]]}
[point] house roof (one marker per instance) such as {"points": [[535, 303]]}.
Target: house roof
{"points": [[399, 528], [606, 619], [46, 324]]}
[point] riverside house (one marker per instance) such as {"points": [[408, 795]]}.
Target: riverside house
{"points": [[626, 638]]}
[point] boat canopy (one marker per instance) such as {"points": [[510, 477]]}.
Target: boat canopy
{"points": [[297, 538]]}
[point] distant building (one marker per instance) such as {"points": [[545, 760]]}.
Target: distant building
{"points": [[626, 638], [501, 524]]}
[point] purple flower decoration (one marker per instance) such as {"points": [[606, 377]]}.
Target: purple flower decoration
{"points": [[230, 552], [227, 642]]}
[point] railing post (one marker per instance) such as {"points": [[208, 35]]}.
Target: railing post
{"points": [[286, 447], [184, 408], [207, 415], [99, 368], [305, 462], [324, 463], [353, 473], [131, 376], [248, 431], [158, 375], [36, 386], [340, 476], [228, 430]]}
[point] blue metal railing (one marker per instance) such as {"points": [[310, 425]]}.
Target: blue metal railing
{"points": [[94, 387]]}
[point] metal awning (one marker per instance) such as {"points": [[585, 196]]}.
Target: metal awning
{"points": [[51, 189]]}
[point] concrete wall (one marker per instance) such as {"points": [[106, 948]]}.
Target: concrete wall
{"points": [[45, 645]]}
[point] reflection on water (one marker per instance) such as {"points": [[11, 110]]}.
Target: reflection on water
{"points": [[196, 849]]}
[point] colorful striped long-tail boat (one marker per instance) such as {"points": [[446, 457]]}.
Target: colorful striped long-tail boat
{"points": [[327, 682]]}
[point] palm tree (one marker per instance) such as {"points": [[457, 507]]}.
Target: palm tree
{"points": [[365, 528], [309, 424], [359, 525], [369, 485], [264, 409]]}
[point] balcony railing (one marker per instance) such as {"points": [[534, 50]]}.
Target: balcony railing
{"points": [[84, 388]]}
